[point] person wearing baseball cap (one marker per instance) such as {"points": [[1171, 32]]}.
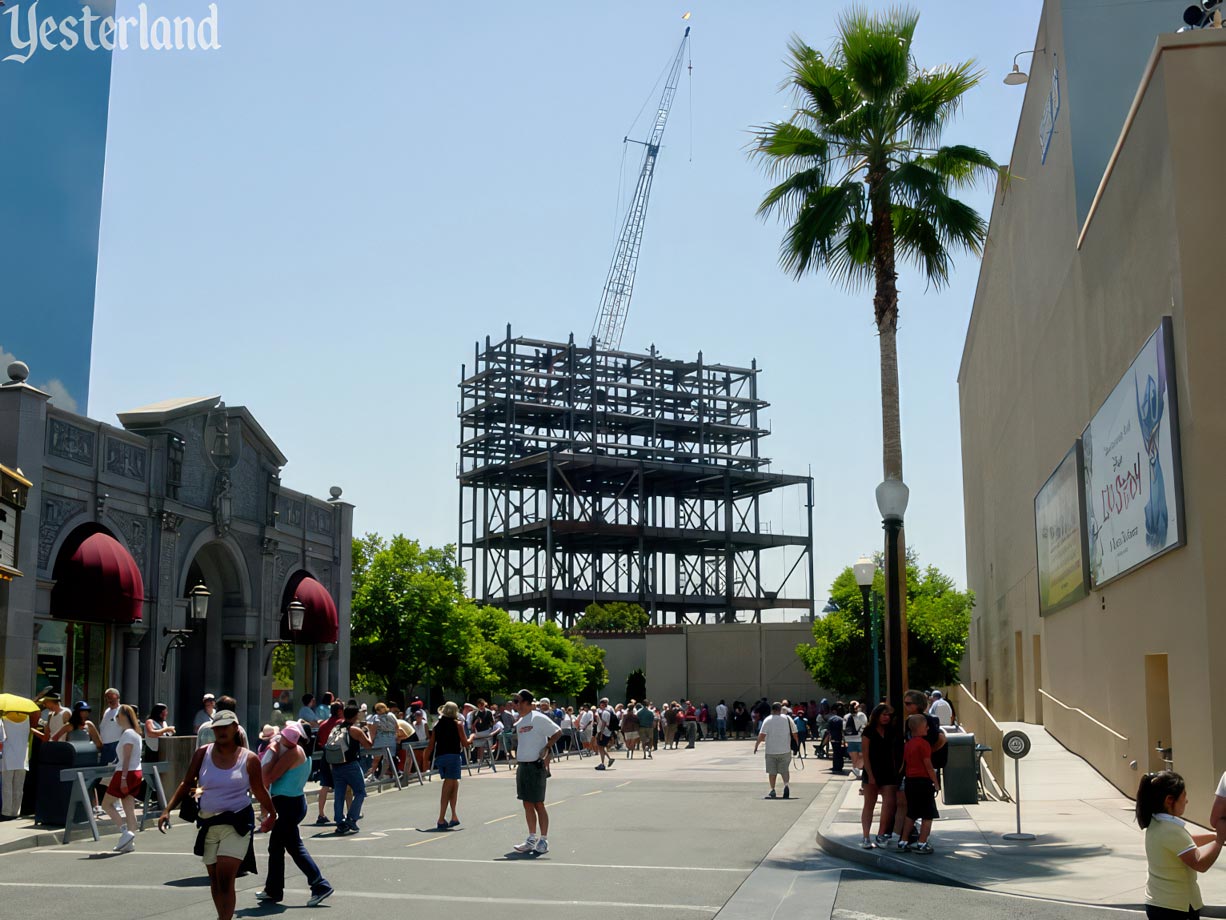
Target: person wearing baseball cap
{"points": [[208, 706], [286, 769]]}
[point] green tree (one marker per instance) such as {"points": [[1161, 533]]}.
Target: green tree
{"points": [[410, 624], [938, 621], [617, 615], [864, 180], [539, 657]]}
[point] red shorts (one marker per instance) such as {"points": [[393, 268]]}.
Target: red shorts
{"points": [[113, 787]]}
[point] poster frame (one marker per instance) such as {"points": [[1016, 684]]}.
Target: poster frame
{"points": [[1075, 454]]}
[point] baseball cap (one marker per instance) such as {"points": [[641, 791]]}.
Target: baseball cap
{"points": [[524, 696], [292, 732], [469, 706], [80, 705], [544, 700], [209, 696], [936, 694], [224, 717]]}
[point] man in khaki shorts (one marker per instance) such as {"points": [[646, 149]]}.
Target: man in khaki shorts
{"points": [[778, 731], [647, 727]]}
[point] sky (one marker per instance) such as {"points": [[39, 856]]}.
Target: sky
{"points": [[320, 218]]}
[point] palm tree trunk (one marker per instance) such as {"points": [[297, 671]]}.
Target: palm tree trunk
{"points": [[885, 312]]}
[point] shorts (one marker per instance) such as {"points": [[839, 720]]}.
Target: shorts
{"points": [[585, 736], [921, 798], [604, 740], [448, 765], [647, 735], [778, 763], [113, 790], [530, 779], [853, 744], [325, 774], [224, 840]]}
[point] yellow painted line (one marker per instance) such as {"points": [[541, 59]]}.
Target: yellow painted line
{"points": [[427, 840], [626, 783], [503, 818], [597, 792]]}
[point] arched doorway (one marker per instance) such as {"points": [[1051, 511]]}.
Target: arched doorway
{"points": [[214, 658], [97, 593], [315, 670]]}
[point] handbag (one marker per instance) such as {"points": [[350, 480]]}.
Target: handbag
{"points": [[189, 810]]}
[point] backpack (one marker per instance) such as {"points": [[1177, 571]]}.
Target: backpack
{"points": [[337, 745], [615, 723]]}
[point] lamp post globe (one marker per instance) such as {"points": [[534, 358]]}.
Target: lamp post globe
{"points": [[892, 497], [865, 569], [297, 614], [198, 603]]}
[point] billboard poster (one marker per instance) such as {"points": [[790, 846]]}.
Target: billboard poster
{"points": [[1133, 473], [1059, 529]]}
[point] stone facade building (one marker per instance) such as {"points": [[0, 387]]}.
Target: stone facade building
{"points": [[122, 523]]}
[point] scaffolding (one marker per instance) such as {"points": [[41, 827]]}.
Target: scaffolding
{"points": [[590, 475]]}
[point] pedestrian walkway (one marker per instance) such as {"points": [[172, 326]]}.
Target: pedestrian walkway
{"points": [[1088, 847]]}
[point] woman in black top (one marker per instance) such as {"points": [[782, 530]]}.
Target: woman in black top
{"points": [[881, 768], [446, 741]]}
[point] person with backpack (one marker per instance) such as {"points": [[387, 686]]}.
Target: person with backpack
{"points": [[834, 735], [853, 728], [604, 729], [647, 728], [325, 769], [345, 743]]}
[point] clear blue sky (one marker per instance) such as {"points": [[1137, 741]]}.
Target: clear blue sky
{"points": [[318, 221]]}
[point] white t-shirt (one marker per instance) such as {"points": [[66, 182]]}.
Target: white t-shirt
{"points": [[532, 733], [585, 720], [721, 712], [108, 728], [606, 719], [943, 711], [16, 738], [129, 744], [1221, 786], [778, 731]]}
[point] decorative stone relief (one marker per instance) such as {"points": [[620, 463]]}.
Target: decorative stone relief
{"points": [[56, 510], [286, 562], [171, 521], [124, 459], [136, 531], [319, 520], [70, 442]]}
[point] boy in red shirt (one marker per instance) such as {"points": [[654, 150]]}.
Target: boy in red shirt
{"points": [[921, 785]]}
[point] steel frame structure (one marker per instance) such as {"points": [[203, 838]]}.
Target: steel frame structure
{"points": [[590, 475]]}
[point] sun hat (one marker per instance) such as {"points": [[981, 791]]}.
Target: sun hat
{"points": [[267, 732], [449, 710], [292, 732], [224, 717]]}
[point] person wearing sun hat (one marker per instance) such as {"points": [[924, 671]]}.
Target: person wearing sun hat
{"points": [[286, 769]]}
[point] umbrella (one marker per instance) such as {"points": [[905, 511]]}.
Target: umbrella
{"points": [[11, 702]]}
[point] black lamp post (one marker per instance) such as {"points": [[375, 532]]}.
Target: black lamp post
{"points": [[892, 498], [197, 613], [865, 569], [295, 613]]}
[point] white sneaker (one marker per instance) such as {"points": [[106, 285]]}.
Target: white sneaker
{"points": [[528, 846], [866, 844], [542, 846], [126, 842]]}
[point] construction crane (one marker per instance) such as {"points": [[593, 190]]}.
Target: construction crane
{"points": [[615, 299]]}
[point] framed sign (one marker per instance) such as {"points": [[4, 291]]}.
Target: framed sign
{"points": [[1059, 533], [1133, 469], [14, 489]]}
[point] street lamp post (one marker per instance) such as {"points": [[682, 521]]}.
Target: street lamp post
{"points": [[892, 498], [865, 569]]}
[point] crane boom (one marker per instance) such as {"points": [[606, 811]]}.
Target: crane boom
{"points": [[615, 299]]}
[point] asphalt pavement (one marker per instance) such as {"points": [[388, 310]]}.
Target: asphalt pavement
{"points": [[684, 835]]}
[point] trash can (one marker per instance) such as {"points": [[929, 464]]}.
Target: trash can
{"points": [[54, 756], [960, 778]]}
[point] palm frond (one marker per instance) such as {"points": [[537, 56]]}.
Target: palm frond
{"points": [[962, 166], [874, 50], [819, 226], [929, 100], [821, 88], [789, 196], [786, 145], [917, 240]]}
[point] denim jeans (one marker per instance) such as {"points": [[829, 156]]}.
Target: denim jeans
{"points": [[347, 775], [721, 728], [285, 838]]}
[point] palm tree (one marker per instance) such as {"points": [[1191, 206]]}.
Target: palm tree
{"points": [[862, 180]]}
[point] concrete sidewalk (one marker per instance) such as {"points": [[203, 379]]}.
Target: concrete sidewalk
{"points": [[1088, 847]]}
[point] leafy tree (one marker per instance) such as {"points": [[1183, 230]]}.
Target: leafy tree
{"points": [[938, 621], [410, 624], [636, 685], [617, 615], [864, 181], [283, 666], [539, 657]]}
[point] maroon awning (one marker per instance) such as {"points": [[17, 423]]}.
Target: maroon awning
{"points": [[320, 623], [98, 583]]}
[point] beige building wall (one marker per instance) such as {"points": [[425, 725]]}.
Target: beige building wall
{"points": [[742, 661], [1054, 328]]}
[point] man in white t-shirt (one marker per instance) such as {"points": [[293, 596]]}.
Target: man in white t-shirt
{"points": [[941, 709], [778, 731], [1217, 818], [721, 721], [535, 734], [108, 728], [602, 733]]}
